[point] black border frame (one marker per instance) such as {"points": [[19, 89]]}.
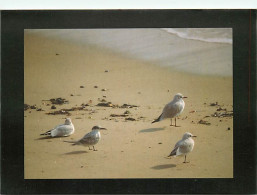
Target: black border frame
{"points": [[13, 24]]}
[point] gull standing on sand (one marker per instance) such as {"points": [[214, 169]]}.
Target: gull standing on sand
{"points": [[172, 109], [65, 129], [90, 139], [184, 146]]}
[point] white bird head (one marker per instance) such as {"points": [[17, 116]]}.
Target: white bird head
{"points": [[187, 135], [178, 96], [98, 127], [67, 121]]}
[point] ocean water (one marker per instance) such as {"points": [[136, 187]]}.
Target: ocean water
{"points": [[214, 35], [205, 51]]}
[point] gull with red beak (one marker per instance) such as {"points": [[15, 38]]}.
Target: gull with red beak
{"points": [[172, 109], [90, 139], [184, 146]]}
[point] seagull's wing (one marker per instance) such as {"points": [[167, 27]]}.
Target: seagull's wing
{"points": [[158, 119], [88, 139], [62, 130], [175, 151], [170, 110], [49, 132], [183, 148]]}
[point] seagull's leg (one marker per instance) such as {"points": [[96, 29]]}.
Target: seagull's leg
{"points": [[175, 122], [171, 122], [94, 148], [89, 148], [186, 159]]}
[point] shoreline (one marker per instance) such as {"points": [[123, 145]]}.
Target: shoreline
{"points": [[154, 46]]}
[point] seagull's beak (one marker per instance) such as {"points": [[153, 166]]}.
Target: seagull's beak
{"points": [[184, 97], [103, 128], [194, 136]]}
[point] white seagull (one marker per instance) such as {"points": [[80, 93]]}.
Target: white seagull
{"points": [[90, 139], [184, 146], [172, 109], [65, 129]]}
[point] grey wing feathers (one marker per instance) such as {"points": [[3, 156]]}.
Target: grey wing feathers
{"points": [[87, 139], [170, 110], [183, 148], [158, 119], [64, 128], [178, 143], [174, 151]]}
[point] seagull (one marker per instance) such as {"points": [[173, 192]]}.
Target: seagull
{"points": [[65, 129], [172, 109], [90, 139], [184, 146]]}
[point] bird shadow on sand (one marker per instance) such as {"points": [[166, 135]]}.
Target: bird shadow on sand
{"points": [[76, 152], [150, 130], [165, 166], [46, 137]]}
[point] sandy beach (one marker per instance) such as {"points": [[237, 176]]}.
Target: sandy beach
{"points": [[129, 148]]}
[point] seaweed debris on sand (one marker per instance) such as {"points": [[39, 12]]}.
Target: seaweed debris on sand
{"points": [[58, 101]]}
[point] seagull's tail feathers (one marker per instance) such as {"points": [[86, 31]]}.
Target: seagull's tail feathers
{"points": [[158, 119], [48, 133], [173, 152]]}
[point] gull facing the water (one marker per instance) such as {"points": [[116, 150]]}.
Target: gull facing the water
{"points": [[184, 146], [65, 129], [90, 139], [172, 109]]}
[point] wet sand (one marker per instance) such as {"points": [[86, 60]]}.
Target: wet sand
{"points": [[128, 149]]}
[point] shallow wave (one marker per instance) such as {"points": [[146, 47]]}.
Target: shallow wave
{"points": [[162, 47], [214, 35]]}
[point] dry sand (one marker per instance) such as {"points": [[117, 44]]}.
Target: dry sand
{"points": [[128, 149]]}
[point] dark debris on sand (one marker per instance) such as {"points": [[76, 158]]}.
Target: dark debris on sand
{"points": [[58, 101], [105, 104], [26, 107], [62, 112], [221, 109], [109, 104], [33, 107], [118, 115], [66, 111], [40, 109], [130, 119], [128, 106], [223, 114], [125, 114], [214, 104], [203, 122]]}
